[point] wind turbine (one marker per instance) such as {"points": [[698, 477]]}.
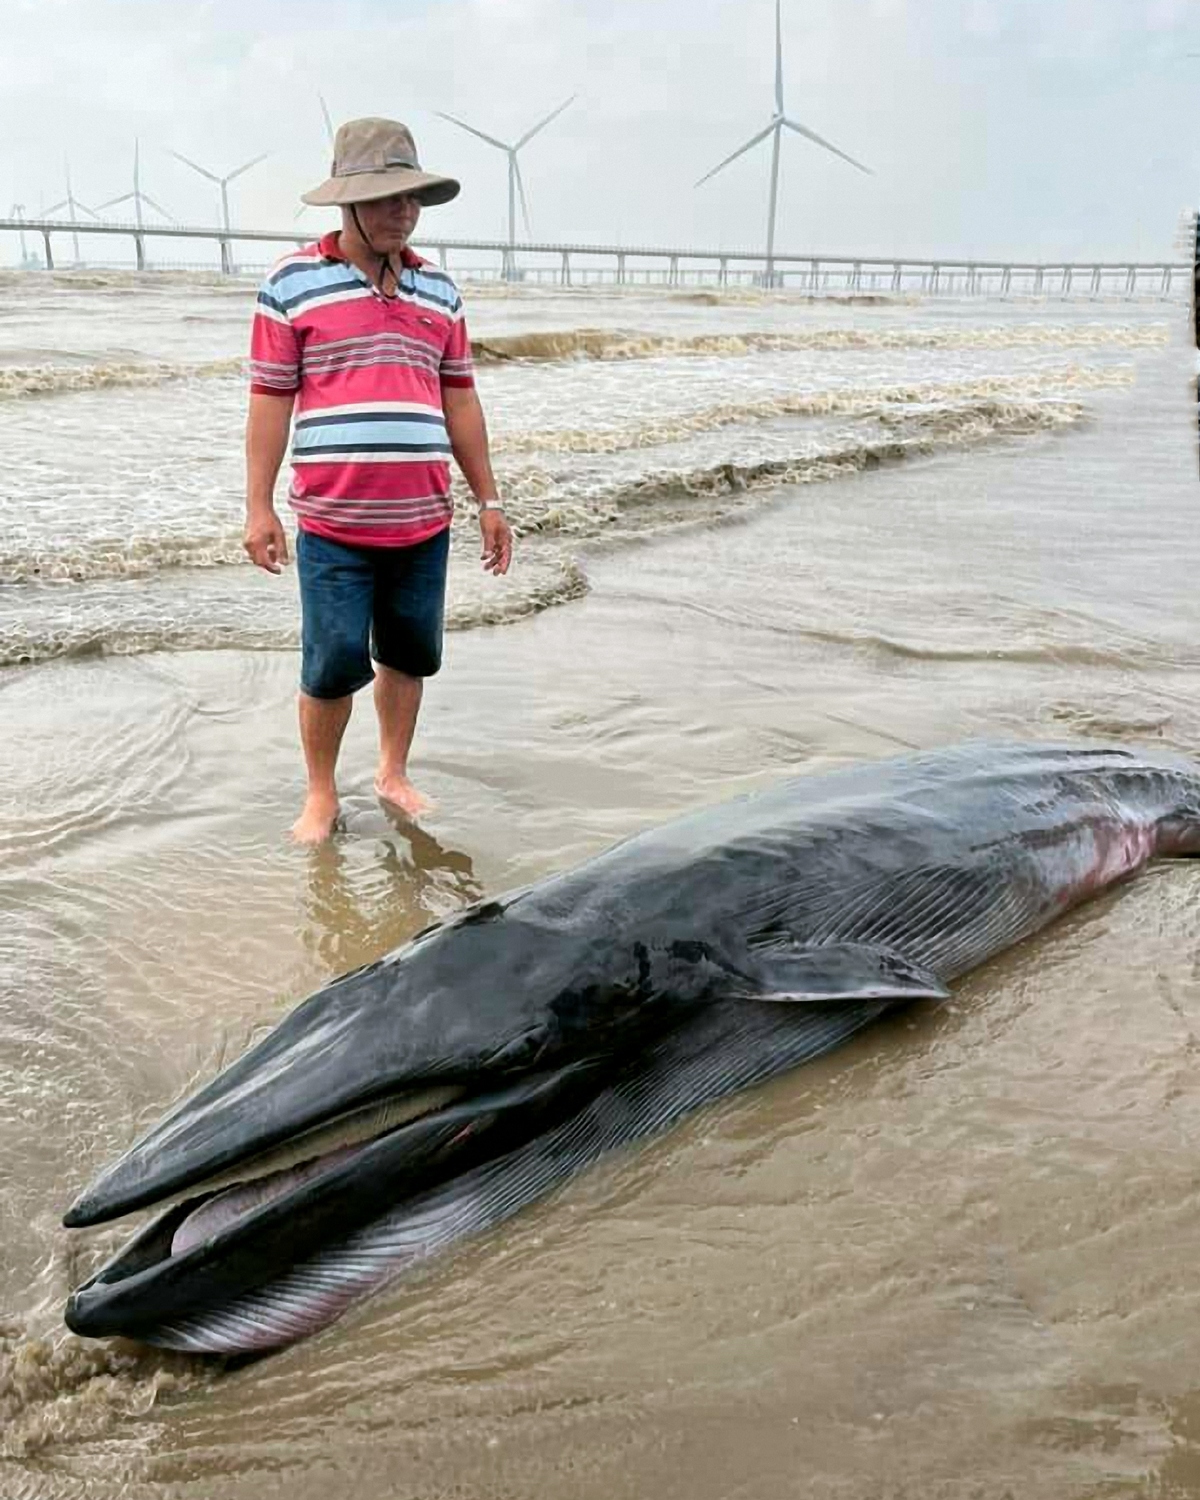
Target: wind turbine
{"points": [[223, 184], [779, 122], [515, 184], [72, 203], [329, 133], [138, 196]]}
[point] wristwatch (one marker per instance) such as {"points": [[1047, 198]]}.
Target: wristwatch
{"points": [[490, 505]]}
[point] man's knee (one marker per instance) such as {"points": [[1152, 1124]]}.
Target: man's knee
{"points": [[334, 666], [415, 652]]}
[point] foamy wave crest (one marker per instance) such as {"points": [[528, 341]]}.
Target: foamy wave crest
{"points": [[55, 1392], [61, 380], [880, 402], [619, 344], [125, 557]]}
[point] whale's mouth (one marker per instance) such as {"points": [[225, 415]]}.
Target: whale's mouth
{"points": [[246, 1226], [220, 1204], [230, 1196]]}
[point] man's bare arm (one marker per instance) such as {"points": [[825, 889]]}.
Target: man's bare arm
{"points": [[268, 424], [467, 429]]}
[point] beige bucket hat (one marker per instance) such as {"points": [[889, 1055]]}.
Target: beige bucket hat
{"points": [[373, 159]]}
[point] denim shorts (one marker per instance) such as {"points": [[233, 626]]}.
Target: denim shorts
{"points": [[364, 602]]}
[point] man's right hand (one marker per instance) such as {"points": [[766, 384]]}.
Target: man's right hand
{"points": [[265, 541]]}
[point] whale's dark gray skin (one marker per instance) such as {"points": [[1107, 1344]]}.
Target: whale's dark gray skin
{"points": [[435, 1092]]}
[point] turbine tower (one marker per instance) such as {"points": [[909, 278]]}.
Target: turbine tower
{"points": [[137, 196], [515, 183], [71, 203], [223, 184], [329, 133], [779, 123]]}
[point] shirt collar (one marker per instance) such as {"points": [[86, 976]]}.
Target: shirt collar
{"points": [[331, 250]]}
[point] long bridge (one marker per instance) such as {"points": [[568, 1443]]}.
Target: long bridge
{"points": [[569, 264]]}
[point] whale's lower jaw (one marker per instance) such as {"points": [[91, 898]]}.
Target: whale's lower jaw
{"points": [[727, 1049]]}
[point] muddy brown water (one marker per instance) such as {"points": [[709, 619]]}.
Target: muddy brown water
{"points": [[956, 1258]]}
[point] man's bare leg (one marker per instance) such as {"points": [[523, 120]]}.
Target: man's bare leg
{"points": [[397, 703], [322, 724]]}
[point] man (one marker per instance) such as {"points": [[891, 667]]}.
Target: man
{"points": [[368, 343]]}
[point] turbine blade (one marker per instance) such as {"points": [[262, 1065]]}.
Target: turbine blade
{"points": [[329, 130], [553, 115], [87, 210], [778, 59], [53, 209], [245, 167], [462, 125], [159, 209], [753, 141], [204, 172], [524, 201], [812, 135], [112, 202]]}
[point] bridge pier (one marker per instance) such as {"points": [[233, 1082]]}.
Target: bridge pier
{"points": [[49, 252], [722, 272], [1131, 281], [566, 268], [814, 277], [139, 251], [226, 257], [897, 277], [673, 271], [620, 268], [1095, 281], [1165, 288]]}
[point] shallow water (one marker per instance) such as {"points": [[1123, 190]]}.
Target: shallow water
{"points": [[955, 1258]]}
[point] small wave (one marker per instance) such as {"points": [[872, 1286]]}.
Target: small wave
{"points": [[18, 381], [943, 414], [619, 344], [55, 1392], [551, 515], [657, 501], [1026, 653], [74, 632], [117, 278], [879, 402], [124, 557]]}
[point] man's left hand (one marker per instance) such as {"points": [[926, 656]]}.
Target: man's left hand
{"points": [[497, 541]]}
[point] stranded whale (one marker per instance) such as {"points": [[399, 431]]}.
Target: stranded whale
{"points": [[435, 1092]]}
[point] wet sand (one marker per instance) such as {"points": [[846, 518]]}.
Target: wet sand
{"points": [[957, 1258]]}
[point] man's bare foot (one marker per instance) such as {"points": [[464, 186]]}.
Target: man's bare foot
{"points": [[399, 793], [318, 821]]}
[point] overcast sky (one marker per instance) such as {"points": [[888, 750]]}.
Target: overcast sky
{"points": [[994, 127]]}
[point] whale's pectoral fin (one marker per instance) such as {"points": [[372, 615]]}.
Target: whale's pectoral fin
{"points": [[841, 971]]}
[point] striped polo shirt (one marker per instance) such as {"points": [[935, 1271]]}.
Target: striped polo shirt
{"points": [[370, 452]]}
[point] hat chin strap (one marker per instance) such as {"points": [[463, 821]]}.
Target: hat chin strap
{"points": [[385, 265]]}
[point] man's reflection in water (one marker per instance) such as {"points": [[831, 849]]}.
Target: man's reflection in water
{"points": [[367, 897]]}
